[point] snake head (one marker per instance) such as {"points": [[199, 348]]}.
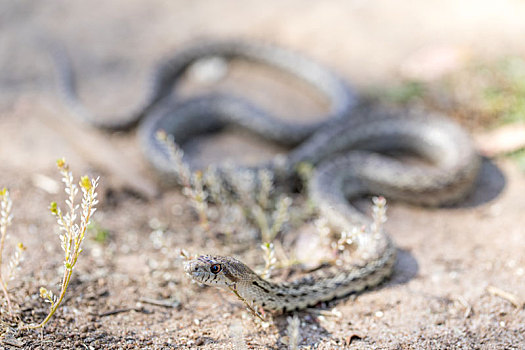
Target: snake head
{"points": [[216, 270]]}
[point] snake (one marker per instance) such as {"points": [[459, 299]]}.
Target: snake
{"points": [[355, 149], [341, 173]]}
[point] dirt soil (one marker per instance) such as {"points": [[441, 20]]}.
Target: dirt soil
{"points": [[451, 259]]}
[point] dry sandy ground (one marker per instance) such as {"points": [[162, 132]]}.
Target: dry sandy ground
{"points": [[438, 296]]}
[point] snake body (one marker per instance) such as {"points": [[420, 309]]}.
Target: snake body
{"points": [[350, 150], [169, 71], [341, 174]]}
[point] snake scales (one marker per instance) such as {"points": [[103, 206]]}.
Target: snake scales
{"points": [[351, 149]]}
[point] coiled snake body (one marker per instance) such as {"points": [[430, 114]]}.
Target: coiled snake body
{"points": [[336, 179], [347, 149]]}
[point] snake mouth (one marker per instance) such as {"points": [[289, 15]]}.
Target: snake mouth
{"points": [[192, 269]]}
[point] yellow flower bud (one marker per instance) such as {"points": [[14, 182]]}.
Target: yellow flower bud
{"points": [[85, 182], [61, 163], [53, 207]]}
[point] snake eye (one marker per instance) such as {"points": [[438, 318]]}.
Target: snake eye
{"points": [[215, 268]]}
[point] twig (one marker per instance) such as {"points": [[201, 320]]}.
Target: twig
{"points": [[125, 309], [513, 299], [166, 302], [466, 305]]}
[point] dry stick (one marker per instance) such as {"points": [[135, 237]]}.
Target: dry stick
{"points": [[513, 299], [466, 305], [121, 310], [166, 303]]}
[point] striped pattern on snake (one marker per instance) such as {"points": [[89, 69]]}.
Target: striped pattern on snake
{"points": [[447, 173]]}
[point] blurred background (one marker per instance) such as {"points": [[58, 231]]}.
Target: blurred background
{"points": [[465, 58]]}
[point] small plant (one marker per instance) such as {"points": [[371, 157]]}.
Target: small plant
{"points": [[198, 197], [378, 214], [265, 188], [269, 259], [192, 183], [5, 220], [251, 191], [292, 330], [72, 231], [268, 214], [361, 237], [98, 233]]}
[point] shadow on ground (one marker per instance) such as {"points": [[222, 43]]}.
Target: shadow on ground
{"points": [[491, 182]]}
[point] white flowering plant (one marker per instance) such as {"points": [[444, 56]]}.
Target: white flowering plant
{"points": [[72, 232], [6, 218]]}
